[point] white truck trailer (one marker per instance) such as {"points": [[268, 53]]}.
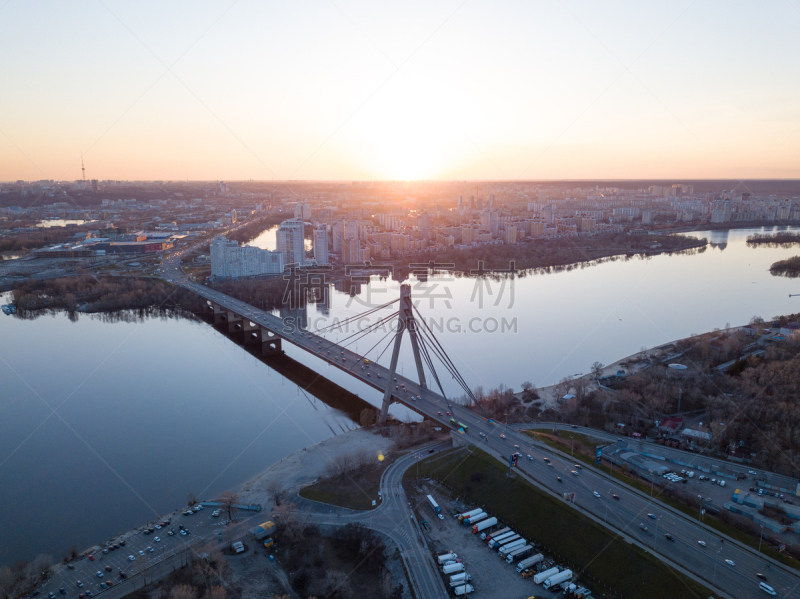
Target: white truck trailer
{"points": [[459, 579], [463, 590], [542, 576], [453, 568], [517, 553], [555, 579], [511, 536], [484, 524], [509, 547], [468, 514], [475, 518], [530, 561], [446, 557], [489, 536]]}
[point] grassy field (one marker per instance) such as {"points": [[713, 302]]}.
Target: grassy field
{"points": [[743, 537], [354, 490], [603, 560]]}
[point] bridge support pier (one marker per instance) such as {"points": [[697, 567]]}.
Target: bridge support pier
{"points": [[234, 322], [256, 334], [220, 314], [405, 322]]}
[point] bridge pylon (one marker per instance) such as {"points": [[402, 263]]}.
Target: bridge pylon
{"points": [[406, 322]]}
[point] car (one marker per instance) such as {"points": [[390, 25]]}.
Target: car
{"points": [[448, 413], [574, 426], [530, 457], [132, 557], [653, 516], [440, 516], [668, 537], [70, 566], [550, 464], [157, 540], [150, 549], [761, 576], [574, 472], [643, 527], [103, 585], [123, 576], [183, 532], [516, 446], [109, 583], [122, 543], [439, 412], [502, 436], [578, 467], [52, 595], [615, 496], [141, 552], [99, 574], [730, 562], [546, 459], [701, 543], [158, 527], [558, 478], [766, 588], [79, 584], [105, 551], [91, 558], [596, 494], [82, 596], [62, 590], [482, 434], [109, 569]]}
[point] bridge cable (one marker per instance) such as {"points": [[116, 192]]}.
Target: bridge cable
{"points": [[346, 321]]}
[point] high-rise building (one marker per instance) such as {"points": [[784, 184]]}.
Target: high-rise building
{"points": [[229, 261], [647, 217], [233, 216], [467, 234], [321, 246], [302, 211], [291, 242], [510, 234]]}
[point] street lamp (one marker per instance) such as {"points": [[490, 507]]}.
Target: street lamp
{"points": [[761, 536]]}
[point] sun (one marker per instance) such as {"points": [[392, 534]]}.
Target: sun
{"points": [[406, 159]]}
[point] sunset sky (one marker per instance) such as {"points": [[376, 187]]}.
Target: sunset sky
{"points": [[221, 89]]}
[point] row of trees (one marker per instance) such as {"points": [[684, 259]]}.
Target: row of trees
{"points": [[22, 577]]}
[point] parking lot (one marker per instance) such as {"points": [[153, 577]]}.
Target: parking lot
{"points": [[135, 552], [492, 577]]}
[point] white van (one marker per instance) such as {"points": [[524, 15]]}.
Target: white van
{"points": [[722, 483]]}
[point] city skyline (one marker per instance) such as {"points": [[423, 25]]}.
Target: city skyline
{"points": [[357, 92]]}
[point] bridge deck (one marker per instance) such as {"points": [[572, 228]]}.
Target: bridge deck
{"points": [[372, 374]]}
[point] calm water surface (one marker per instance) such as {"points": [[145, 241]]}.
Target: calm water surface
{"points": [[147, 412]]}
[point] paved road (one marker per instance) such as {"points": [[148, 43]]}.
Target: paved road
{"points": [[395, 519], [626, 513], [679, 456]]}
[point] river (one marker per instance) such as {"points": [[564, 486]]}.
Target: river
{"points": [[147, 412]]}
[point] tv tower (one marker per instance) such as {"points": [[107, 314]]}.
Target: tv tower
{"points": [[83, 168]]}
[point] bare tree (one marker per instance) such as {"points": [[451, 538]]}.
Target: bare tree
{"points": [[597, 369], [227, 499], [183, 591], [192, 499], [274, 488]]}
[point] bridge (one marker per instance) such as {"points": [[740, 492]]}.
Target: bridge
{"points": [[683, 553]]}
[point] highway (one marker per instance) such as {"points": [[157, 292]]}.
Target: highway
{"points": [[625, 514]]}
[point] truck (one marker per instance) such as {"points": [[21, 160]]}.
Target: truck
{"points": [[517, 553], [555, 579], [468, 514], [474, 519], [453, 568], [434, 505], [509, 547], [446, 557], [529, 561], [542, 576], [461, 577], [463, 590], [511, 536], [484, 524], [488, 537]]}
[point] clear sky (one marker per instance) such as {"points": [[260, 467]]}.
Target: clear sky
{"points": [[453, 89]]}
